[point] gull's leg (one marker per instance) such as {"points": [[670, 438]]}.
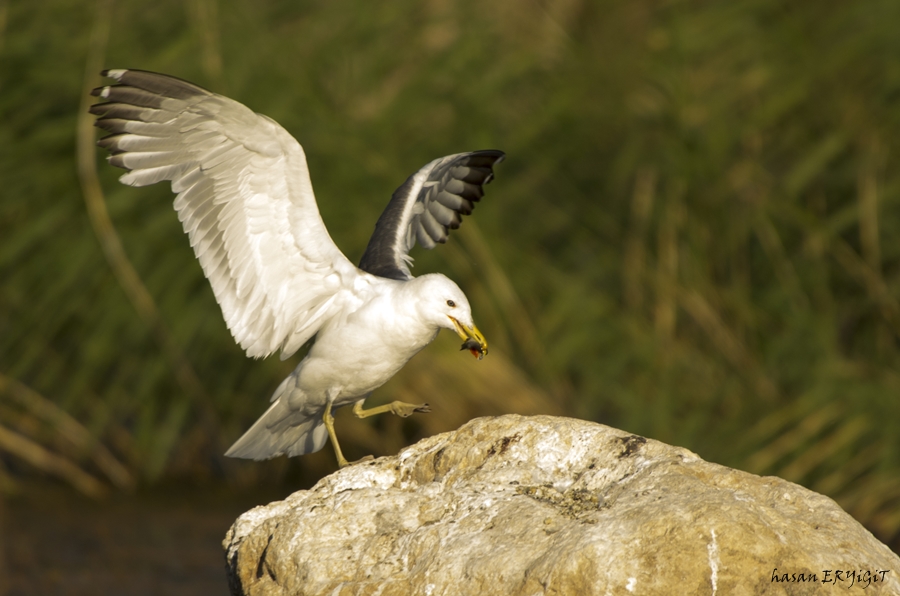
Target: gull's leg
{"points": [[329, 426], [399, 408]]}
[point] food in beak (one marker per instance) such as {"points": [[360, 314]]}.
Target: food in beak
{"points": [[473, 346], [474, 341]]}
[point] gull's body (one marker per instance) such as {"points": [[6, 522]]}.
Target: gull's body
{"points": [[246, 202], [352, 356]]}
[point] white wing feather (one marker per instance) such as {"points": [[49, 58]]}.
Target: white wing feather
{"points": [[244, 198]]}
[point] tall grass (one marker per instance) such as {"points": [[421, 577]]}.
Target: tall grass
{"points": [[695, 237]]}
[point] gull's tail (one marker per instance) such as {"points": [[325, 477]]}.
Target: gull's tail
{"points": [[281, 431]]}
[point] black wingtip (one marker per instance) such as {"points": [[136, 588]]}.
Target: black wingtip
{"points": [[495, 153], [154, 82]]}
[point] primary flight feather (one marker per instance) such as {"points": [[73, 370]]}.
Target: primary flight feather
{"points": [[246, 202]]}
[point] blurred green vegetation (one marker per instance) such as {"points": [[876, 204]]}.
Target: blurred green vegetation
{"points": [[695, 235]]}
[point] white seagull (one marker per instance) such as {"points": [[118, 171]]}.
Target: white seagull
{"points": [[246, 202]]}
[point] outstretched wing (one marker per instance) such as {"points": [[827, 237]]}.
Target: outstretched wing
{"points": [[425, 208], [244, 198]]}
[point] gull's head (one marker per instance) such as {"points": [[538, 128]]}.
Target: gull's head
{"points": [[442, 303]]}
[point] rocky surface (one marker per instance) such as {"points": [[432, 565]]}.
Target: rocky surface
{"points": [[546, 505]]}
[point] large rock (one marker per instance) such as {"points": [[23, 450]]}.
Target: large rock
{"points": [[545, 505]]}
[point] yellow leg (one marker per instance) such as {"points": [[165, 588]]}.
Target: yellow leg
{"points": [[399, 408], [329, 426]]}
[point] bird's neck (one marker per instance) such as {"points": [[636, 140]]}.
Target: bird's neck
{"points": [[409, 302], [407, 326]]}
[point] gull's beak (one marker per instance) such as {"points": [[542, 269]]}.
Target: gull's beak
{"points": [[472, 339]]}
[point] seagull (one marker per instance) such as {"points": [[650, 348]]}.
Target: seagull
{"points": [[245, 200]]}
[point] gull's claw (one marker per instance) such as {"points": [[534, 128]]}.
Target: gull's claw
{"points": [[403, 409]]}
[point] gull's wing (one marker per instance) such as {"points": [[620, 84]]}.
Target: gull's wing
{"points": [[244, 198], [425, 208]]}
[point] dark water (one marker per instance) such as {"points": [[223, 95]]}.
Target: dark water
{"points": [[167, 542]]}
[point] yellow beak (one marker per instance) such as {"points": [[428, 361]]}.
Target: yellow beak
{"points": [[473, 340]]}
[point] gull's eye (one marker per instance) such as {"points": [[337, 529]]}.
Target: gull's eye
{"points": [[451, 304]]}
